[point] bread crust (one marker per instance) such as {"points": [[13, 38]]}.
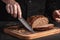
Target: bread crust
{"points": [[39, 22]]}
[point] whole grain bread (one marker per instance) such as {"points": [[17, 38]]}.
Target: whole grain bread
{"points": [[39, 22]]}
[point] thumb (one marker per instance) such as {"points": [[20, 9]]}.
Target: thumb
{"points": [[57, 19]]}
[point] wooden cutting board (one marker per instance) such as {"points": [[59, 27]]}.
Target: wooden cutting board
{"points": [[20, 33]]}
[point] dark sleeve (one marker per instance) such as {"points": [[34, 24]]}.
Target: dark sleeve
{"points": [[51, 5]]}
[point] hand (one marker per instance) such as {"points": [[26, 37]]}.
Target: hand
{"points": [[56, 15], [14, 9]]}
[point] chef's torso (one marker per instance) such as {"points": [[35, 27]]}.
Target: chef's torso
{"points": [[33, 7]]}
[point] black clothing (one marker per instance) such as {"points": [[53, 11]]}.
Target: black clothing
{"points": [[34, 7], [51, 5], [29, 8]]}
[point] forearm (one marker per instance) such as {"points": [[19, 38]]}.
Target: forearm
{"points": [[8, 1]]}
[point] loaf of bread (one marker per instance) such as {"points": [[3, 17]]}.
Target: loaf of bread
{"points": [[39, 22]]}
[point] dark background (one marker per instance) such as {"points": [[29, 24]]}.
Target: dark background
{"points": [[47, 7]]}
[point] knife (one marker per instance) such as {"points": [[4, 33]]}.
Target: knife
{"points": [[23, 21]]}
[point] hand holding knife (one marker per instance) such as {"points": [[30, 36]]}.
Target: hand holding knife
{"points": [[23, 21], [14, 9]]}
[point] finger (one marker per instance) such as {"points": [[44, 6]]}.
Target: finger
{"points": [[15, 11], [8, 8], [58, 19], [11, 9], [19, 12], [57, 12]]}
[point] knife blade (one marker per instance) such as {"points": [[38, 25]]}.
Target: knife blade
{"points": [[23, 21]]}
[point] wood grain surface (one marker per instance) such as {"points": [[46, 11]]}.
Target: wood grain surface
{"points": [[26, 35]]}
